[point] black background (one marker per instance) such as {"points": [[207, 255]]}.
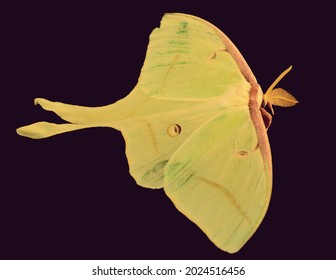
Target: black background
{"points": [[71, 196]]}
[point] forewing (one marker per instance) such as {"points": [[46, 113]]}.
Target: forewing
{"points": [[220, 181], [188, 59]]}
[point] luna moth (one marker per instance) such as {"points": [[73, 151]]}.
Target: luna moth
{"points": [[194, 125]]}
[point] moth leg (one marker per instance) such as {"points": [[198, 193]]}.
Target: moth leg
{"points": [[267, 117]]}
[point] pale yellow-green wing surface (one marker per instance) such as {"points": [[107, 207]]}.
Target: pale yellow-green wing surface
{"points": [[182, 92], [144, 123], [218, 179], [191, 125], [187, 59]]}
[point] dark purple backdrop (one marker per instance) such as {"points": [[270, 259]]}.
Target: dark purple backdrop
{"points": [[71, 196]]}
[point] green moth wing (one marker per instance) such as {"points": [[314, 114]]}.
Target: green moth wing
{"points": [[218, 179], [144, 123], [193, 125], [186, 59]]}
